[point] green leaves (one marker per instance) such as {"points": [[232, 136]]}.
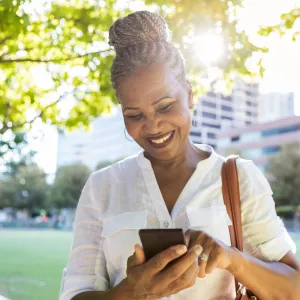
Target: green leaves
{"points": [[285, 170]]}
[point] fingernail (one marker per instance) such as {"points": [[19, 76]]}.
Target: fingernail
{"points": [[181, 249], [198, 250]]}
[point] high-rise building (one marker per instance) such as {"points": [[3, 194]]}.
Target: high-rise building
{"points": [[215, 112], [105, 142], [274, 106]]}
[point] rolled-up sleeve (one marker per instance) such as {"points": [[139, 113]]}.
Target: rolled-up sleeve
{"points": [[264, 233], [86, 268]]}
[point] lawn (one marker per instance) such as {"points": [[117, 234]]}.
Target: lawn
{"points": [[31, 263]]}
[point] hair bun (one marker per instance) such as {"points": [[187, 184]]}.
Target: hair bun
{"points": [[138, 27]]}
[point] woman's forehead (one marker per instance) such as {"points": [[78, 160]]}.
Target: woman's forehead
{"points": [[147, 83]]}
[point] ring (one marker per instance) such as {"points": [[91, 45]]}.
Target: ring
{"points": [[203, 257]]}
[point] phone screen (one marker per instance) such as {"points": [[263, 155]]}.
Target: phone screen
{"points": [[157, 240]]}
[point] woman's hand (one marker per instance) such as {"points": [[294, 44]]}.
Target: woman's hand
{"points": [[215, 253], [153, 279]]}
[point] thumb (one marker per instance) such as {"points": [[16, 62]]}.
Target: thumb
{"points": [[137, 258], [139, 254]]}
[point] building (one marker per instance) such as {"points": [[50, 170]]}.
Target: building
{"points": [[215, 112], [274, 106], [105, 142], [260, 141]]}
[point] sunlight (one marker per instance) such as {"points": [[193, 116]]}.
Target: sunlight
{"points": [[209, 48]]}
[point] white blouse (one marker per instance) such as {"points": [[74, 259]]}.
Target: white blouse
{"points": [[119, 200]]}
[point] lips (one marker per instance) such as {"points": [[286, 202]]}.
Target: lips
{"points": [[162, 140]]}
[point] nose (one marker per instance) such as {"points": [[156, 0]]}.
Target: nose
{"points": [[152, 125]]}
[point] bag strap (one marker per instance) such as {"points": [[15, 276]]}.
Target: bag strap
{"points": [[231, 195]]}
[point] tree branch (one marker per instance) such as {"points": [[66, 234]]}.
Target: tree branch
{"points": [[51, 60], [5, 39]]}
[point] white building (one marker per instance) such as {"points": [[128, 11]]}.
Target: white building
{"points": [[275, 106], [215, 112], [105, 142]]}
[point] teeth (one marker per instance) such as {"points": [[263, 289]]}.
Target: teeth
{"points": [[160, 141]]}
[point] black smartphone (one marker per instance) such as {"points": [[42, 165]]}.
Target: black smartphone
{"points": [[157, 240]]}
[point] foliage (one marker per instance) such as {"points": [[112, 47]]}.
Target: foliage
{"points": [[24, 187], [14, 153], [105, 164], [284, 168], [59, 54], [286, 23], [69, 182]]}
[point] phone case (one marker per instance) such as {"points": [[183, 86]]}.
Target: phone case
{"points": [[157, 240]]}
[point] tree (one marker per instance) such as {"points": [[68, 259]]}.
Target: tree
{"points": [[24, 188], [105, 164], [68, 184], [284, 167], [14, 153], [65, 43]]}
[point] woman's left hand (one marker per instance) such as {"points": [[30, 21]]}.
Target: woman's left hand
{"points": [[215, 253]]}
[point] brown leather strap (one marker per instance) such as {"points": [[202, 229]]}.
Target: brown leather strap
{"points": [[231, 196]]}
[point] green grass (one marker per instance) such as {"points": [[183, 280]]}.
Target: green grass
{"points": [[31, 263]]}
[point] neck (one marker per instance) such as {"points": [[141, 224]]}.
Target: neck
{"points": [[188, 157]]}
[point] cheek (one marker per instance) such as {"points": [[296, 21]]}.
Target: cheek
{"points": [[133, 128]]}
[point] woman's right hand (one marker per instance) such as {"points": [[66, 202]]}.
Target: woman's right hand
{"points": [[153, 280]]}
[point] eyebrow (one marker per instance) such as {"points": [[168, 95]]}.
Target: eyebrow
{"points": [[155, 102]]}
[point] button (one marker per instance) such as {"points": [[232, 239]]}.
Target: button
{"points": [[166, 224]]}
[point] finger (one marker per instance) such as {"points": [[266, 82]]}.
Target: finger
{"points": [[173, 272], [186, 280], [159, 261], [203, 263]]}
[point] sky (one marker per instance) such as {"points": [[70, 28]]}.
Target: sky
{"points": [[282, 67]]}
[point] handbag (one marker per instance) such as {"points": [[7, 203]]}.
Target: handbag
{"points": [[231, 196]]}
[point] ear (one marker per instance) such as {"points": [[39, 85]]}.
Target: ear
{"points": [[191, 95]]}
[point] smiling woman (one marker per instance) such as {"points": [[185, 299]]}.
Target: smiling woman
{"points": [[172, 183]]}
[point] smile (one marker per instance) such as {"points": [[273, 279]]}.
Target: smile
{"points": [[162, 140]]}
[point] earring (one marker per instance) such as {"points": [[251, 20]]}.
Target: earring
{"points": [[126, 136], [194, 123]]}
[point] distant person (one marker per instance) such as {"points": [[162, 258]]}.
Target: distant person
{"points": [[172, 183]]}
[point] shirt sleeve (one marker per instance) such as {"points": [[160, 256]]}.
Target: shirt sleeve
{"points": [[264, 233], [86, 268]]}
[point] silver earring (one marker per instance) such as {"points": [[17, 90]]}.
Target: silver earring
{"points": [[126, 136], [194, 123]]}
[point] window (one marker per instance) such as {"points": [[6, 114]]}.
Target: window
{"points": [[209, 115], [226, 98], [235, 139], [211, 94], [226, 118], [195, 112], [208, 104], [193, 133], [211, 135], [211, 125], [248, 123], [226, 108], [281, 130]]}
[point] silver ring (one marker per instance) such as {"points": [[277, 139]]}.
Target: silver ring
{"points": [[203, 257]]}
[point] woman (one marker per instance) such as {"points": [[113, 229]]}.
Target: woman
{"points": [[173, 183]]}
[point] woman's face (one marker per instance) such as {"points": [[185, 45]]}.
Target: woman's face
{"points": [[156, 109]]}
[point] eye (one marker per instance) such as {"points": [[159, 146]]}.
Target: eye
{"points": [[135, 117], [165, 107]]}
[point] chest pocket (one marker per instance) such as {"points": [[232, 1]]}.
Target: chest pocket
{"points": [[213, 220], [121, 233]]}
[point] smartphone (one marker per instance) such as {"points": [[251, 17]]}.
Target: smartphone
{"points": [[157, 240]]}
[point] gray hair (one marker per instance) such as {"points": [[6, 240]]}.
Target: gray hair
{"points": [[140, 39]]}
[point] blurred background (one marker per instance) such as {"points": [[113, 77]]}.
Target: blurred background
{"points": [[59, 118]]}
